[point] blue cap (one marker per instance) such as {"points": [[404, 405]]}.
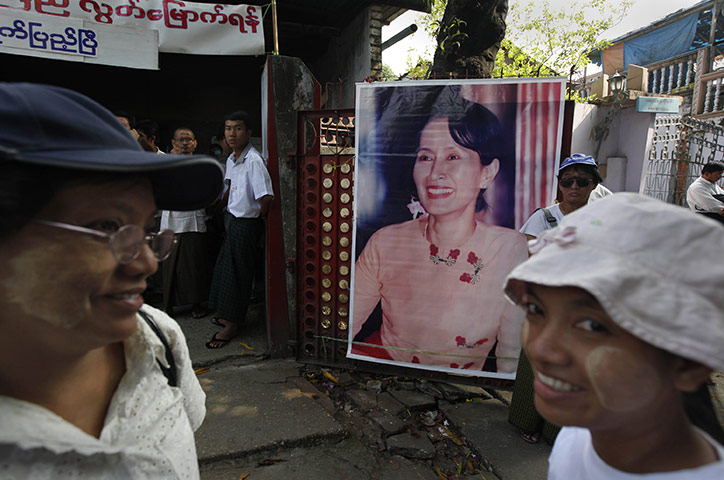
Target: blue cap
{"points": [[54, 126], [577, 158]]}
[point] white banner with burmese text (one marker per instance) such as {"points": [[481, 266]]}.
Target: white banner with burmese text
{"points": [[183, 27], [77, 40]]}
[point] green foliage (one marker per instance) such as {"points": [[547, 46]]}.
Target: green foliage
{"points": [[431, 22], [539, 41], [419, 70], [387, 75], [511, 61], [452, 36]]}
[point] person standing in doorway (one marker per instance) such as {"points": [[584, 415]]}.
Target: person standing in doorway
{"points": [[248, 197], [186, 274]]}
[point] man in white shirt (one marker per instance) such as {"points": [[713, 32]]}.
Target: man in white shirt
{"points": [[248, 197], [704, 195], [186, 273]]}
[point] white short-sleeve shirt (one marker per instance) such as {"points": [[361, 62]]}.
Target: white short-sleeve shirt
{"points": [[250, 181], [537, 222], [573, 456]]}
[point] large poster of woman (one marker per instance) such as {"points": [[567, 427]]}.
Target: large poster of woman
{"points": [[445, 173]]}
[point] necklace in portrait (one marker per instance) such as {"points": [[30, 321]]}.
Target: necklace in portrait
{"points": [[452, 256]]}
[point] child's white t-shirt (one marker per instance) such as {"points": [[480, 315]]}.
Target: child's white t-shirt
{"points": [[573, 457]]}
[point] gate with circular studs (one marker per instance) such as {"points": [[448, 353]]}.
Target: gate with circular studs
{"points": [[325, 161]]}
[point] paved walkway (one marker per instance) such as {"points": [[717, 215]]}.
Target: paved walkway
{"points": [[280, 419]]}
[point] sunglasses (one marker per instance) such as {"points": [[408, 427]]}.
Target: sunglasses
{"points": [[126, 242], [580, 181]]}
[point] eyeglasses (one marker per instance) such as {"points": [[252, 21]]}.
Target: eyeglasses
{"points": [[126, 242], [580, 181]]}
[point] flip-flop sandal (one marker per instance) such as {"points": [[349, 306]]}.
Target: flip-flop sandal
{"points": [[530, 437], [214, 338], [217, 322], [199, 313]]}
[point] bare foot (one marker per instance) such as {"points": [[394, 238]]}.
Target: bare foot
{"points": [[219, 322], [221, 338]]}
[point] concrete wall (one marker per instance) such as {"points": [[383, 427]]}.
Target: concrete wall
{"points": [[348, 60], [627, 144], [291, 87]]}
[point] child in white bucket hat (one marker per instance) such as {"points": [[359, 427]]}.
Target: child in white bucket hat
{"points": [[625, 313]]}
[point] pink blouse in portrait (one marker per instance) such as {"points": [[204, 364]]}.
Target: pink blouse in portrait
{"points": [[440, 306]]}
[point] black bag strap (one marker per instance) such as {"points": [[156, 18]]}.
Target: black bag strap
{"points": [[170, 371], [549, 216]]}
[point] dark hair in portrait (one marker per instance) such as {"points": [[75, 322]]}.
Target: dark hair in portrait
{"points": [[400, 115], [388, 153]]}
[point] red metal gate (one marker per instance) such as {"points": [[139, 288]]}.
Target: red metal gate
{"points": [[325, 160]]}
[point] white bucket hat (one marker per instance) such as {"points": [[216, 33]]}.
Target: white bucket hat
{"points": [[656, 269]]}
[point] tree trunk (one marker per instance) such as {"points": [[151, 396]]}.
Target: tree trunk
{"points": [[469, 38]]}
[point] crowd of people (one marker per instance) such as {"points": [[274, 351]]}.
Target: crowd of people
{"points": [[624, 316], [219, 248]]}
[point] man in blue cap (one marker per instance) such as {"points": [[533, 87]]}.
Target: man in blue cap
{"points": [[578, 176]]}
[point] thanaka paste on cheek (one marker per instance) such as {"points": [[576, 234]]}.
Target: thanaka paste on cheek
{"points": [[44, 284], [622, 382], [524, 333]]}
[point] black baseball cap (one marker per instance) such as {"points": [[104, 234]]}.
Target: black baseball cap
{"points": [[48, 125]]}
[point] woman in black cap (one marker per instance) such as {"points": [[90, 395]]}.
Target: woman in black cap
{"points": [[92, 381]]}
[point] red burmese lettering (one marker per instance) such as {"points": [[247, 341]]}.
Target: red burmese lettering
{"points": [[208, 17], [40, 6], [182, 16], [154, 15], [251, 19], [171, 13], [103, 11], [235, 19], [128, 10]]}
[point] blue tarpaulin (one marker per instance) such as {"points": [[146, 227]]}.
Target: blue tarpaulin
{"points": [[661, 44]]}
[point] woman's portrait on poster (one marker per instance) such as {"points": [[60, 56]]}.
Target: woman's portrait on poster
{"points": [[433, 251]]}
